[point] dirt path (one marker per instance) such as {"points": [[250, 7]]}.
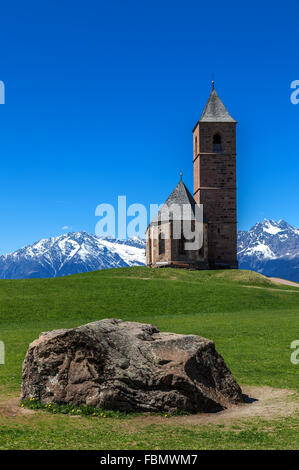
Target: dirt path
{"points": [[11, 408], [263, 402], [274, 289], [283, 281], [266, 403]]}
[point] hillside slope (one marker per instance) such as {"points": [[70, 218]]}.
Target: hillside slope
{"points": [[252, 320]]}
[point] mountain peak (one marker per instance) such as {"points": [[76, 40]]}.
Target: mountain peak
{"points": [[270, 248], [71, 253]]}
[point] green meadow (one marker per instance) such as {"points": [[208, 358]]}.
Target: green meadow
{"points": [[251, 320]]}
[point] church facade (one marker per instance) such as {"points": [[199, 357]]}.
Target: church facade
{"points": [[214, 169]]}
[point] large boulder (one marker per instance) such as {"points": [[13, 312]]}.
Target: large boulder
{"points": [[115, 364]]}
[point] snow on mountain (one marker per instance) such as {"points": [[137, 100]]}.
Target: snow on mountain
{"points": [[71, 253], [270, 248]]}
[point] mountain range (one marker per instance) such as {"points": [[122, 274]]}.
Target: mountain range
{"points": [[71, 253], [270, 248]]}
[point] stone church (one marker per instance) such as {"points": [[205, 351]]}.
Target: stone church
{"points": [[214, 168]]}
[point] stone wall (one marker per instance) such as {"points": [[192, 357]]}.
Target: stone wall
{"points": [[215, 189], [172, 255]]}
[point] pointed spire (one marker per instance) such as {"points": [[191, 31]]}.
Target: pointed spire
{"points": [[180, 196], [215, 111]]}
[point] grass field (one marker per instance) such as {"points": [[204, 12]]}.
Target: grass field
{"points": [[251, 320]]}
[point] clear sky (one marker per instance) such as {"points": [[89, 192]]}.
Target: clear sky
{"points": [[101, 99]]}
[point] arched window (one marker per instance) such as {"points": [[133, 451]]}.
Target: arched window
{"points": [[161, 244], [217, 147]]}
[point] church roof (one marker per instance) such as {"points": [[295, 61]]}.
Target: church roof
{"points": [[181, 195], [182, 198], [215, 111]]}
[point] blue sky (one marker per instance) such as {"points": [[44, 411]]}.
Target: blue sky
{"points": [[101, 99]]}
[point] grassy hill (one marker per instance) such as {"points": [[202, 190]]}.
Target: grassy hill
{"points": [[251, 320]]}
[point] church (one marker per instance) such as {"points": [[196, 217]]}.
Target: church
{"points": [[214, 190]]}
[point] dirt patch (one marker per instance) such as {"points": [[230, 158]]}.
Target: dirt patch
{"points": [[11, 408], [273, 289], [262, 402], [283, 281]]}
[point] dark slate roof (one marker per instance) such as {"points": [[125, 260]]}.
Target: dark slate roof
{"points": [[215, 111], [180, 196]]}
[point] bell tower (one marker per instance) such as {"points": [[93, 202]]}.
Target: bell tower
{"points": [[214, 163]]}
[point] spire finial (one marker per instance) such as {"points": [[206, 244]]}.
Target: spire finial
{"points": [[181, 175], [213, 80]]}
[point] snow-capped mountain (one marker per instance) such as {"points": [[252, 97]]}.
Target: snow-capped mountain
{"points": [[71, 253], [270, 248]]}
